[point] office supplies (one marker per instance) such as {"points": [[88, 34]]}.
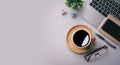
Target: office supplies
{"points": [[110, 27], [73, 15], [64, 12], [95, 11], [95, 53], [106, 41]]}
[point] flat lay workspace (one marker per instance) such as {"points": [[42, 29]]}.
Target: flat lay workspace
{"points": [[80, 39], [53, 32]]}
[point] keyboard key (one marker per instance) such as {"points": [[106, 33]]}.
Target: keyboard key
{"points": [[103, 4], [104, 1], [110, 1], [100, 10], [100, 6], [119, 8], [104, 14], [91, 4], [95, 3], [94, 6]]}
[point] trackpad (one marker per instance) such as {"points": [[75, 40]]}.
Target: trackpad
{"points": [[91, 15]]}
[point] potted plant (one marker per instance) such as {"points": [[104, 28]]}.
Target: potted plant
{"points": [[75, 4]]}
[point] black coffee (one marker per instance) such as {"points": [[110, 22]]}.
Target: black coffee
{"points": [[81, 38]]}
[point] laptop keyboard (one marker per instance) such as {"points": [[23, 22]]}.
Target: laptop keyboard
{"points": [[106, 7]]}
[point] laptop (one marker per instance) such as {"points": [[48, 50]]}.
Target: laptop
{"points": [[96, 12]]}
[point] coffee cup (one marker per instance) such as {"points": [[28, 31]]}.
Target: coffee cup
{"points": [[80, 39]]}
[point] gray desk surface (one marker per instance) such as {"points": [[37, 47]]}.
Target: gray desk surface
{"points": [[33, 32]]}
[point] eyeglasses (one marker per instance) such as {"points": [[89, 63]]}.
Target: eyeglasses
{"points": [[95, 53]]}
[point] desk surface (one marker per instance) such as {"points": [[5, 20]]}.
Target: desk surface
{"points": [[33, 32]]}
